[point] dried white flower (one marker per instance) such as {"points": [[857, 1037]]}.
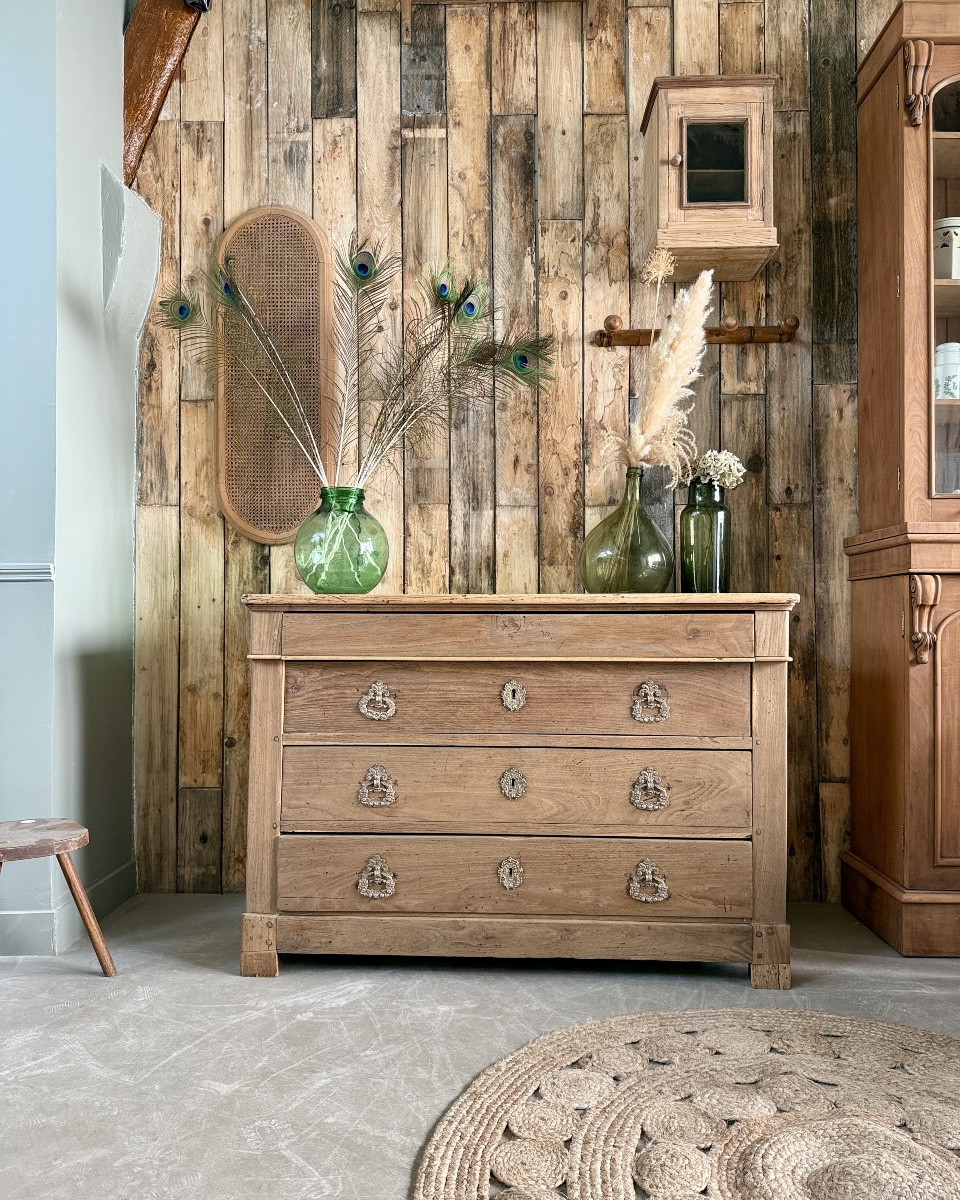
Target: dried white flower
{"points": [[715, 466]]}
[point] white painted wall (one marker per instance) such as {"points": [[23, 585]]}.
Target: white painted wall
{"points": [[99, 253]]}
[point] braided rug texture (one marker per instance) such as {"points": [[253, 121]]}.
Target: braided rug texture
{"points": [[731, 1105]]}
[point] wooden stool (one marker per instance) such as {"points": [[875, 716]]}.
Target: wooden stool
{"points": [[40, 839]]}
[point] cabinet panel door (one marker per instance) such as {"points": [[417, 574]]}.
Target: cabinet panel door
{"points": [[946, 726]]}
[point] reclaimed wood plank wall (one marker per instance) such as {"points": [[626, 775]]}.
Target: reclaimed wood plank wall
{"points": [[502, 137]]}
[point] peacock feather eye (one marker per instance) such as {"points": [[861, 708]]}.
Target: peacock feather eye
{"points": [[470, 308], [444, 288], [364, 265], [180, 310], [521, 361]]}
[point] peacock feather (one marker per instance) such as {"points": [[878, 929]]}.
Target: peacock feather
{"points": [[181, 311]]}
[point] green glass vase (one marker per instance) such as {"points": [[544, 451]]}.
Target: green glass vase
{"points": [[705, 539], [341, 549], [626, 552]]}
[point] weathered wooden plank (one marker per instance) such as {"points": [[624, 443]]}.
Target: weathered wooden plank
{"points": [[789, 416], [154, 44], [335, 211], [158, 400], [606, 289], [284, 578], [427, 466], [379, 218], [649, 40], [513, 58], [289, 111], [201, 96], [743, 368], [743, 431], [245, 570], [833, 152], [472, 446], [560, 111], [423, 64], [835, 517], [198, 840], [515, 294], [786, 33], [872, 15], [741, 37], [792, 566], [156, 695], [835, 835], [696, 37], [334, 55], [561, 417], [201, 602], [201, 222], [244, 107], [604, 62]]}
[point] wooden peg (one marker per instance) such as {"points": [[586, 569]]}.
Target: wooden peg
{"points": [[730, 322]]}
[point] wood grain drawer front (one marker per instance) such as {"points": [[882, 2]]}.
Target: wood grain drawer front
{"points": [[383, 701], [539, 875], [411, 789], [534, 635]]}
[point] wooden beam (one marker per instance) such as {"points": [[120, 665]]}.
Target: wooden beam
{"points": [[154, 44]]}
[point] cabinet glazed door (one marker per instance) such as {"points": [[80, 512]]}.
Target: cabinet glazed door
{"points": [[946, 725]]}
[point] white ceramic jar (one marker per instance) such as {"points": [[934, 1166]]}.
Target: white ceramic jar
{"points": [[946, 248], [946, 371]]}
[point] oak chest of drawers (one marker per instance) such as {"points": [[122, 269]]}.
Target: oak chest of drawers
{"points": [[519, 776]]}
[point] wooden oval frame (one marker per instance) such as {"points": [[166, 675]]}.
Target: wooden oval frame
{"points": [[325, 290]]}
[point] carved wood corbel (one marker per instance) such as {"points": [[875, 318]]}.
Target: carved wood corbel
{"points": [[924, 598], [917, 60]]}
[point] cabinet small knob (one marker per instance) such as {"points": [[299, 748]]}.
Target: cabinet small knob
{"points": [[676, 160]]}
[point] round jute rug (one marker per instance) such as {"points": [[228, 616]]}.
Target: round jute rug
{"points": [[732, 1105]]}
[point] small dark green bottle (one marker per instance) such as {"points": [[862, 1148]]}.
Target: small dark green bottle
{"points": [[705, 539]]}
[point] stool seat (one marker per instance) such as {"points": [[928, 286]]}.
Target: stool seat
{"points": [[45, 837], [40, 838]]}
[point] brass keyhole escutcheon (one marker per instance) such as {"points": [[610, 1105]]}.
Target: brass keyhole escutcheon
{"points": [[513, 695], [510, 874], [513, 783]]}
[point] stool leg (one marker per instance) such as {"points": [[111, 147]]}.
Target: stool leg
{"points": [[86, 913]]}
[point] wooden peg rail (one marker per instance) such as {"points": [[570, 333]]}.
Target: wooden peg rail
{"points": [[406, 15], [728, 333]]}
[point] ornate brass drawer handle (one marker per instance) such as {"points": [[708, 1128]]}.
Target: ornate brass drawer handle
{"points": [[650, 703], [510, 874], [377, 789], [376, 881], [649, 792], [647, 876], [377, 703], [514, 695], [513, 783]]}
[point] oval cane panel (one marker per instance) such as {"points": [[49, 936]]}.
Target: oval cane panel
{"points": [[282, 262]]}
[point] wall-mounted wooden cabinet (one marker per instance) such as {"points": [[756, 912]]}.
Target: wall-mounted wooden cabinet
{"points": [[708, 173], [902, 875]]}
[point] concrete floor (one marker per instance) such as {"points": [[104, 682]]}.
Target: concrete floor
{"points": [[180, 1079]]}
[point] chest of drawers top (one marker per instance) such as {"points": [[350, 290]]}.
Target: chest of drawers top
{"points": [[670, 627]]}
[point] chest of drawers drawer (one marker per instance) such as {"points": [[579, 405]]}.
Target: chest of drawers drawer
{"points": [[389, 699], [503, 875], [521, 789], [599, 776]]}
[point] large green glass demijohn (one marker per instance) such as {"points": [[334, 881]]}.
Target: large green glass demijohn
{"points": [[341, 549], [626, 552]]}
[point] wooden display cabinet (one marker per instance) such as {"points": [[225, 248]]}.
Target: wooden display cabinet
{"points": [[708, 173], [902, 874]]}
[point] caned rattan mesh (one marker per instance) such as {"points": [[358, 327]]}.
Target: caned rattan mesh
{"points": [[281, 261]]}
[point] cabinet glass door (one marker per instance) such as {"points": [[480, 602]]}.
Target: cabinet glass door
{"points": [[946, 290]]}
